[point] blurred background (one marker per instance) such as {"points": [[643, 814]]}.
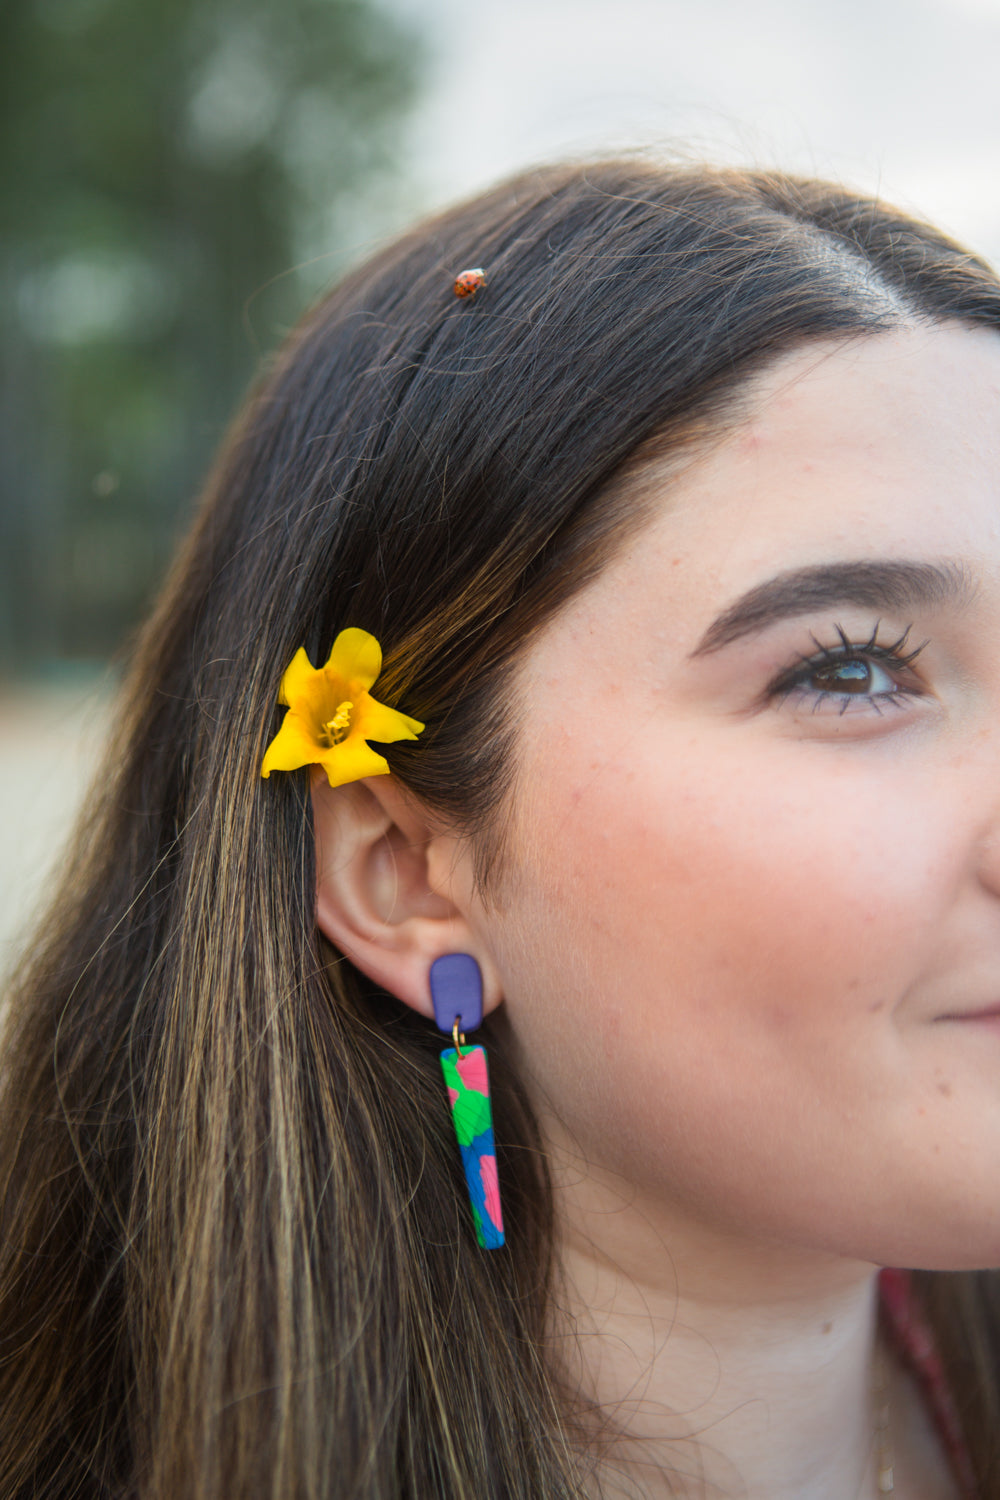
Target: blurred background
{"points": [[178, 178]]}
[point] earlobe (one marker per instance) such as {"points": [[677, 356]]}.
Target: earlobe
{"points": [[375, 901]]}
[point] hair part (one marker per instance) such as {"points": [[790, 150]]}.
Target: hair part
{"points": [[236, 1256]]}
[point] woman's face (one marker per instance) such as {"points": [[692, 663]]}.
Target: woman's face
{"points": [[750, 943]]}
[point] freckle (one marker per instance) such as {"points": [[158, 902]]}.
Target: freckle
{"points": [[945, 1089], [937, 1151], [827, 1328]]}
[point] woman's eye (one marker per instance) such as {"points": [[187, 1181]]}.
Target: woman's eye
{"points": [[852, 676], [862, 677], [858, 675]]}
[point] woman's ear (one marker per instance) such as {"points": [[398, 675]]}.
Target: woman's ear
{"points": [[391, 893]]}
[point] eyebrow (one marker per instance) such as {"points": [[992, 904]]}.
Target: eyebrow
{"points": [[876, 584]]}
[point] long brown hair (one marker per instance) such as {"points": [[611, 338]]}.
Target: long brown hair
{"points": [[236, 1258]]}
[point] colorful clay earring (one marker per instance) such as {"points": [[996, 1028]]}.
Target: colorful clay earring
{"points": [[457, 994]]}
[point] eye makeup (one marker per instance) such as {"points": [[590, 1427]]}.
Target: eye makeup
{"points": [[849, 674]]}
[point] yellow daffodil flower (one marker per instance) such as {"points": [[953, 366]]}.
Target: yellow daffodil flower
{"points": [[331, 714]]}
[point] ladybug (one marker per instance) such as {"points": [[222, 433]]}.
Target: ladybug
{"points": [[468, 283]]}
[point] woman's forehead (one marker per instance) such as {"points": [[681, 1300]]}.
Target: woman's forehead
{"points": [[882, 453], [898, 434]]}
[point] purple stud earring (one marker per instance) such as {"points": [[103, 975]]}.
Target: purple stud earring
{"points": [[457, 994]]}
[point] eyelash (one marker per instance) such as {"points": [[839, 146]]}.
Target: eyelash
{"points": [[894, 657]]}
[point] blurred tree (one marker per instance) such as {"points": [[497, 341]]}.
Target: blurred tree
{"points": [[165, 166]]}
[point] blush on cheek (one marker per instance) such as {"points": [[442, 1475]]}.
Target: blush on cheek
{"points": [[696, 933], [720, 866]]}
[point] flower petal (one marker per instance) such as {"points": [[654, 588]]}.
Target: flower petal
{"points": [[338, 692], [294, 745], [356, 658], [350, 761], [319, 697], [297, 676], [377, 721]]}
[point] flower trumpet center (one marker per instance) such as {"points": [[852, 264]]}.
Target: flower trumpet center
{"points": [[336, 730]]}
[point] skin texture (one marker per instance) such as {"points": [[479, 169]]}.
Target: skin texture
{"points": [[747, 915], [739, 926]]}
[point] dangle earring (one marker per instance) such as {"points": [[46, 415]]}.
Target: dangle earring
{"points": [[457, 993]]}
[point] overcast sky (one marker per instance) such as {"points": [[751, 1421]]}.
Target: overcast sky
{"points": [[899, 96]]}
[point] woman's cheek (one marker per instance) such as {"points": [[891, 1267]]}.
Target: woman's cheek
{"points": [[739, 866], [725, 936]]}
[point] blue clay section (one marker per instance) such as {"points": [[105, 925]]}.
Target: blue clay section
{"points": [[490, 1237]]}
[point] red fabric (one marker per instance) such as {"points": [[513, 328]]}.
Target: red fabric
{"points": [[911, 1334]]}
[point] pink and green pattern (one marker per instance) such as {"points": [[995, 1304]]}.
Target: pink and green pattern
{"points": [[468, 1082]]}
